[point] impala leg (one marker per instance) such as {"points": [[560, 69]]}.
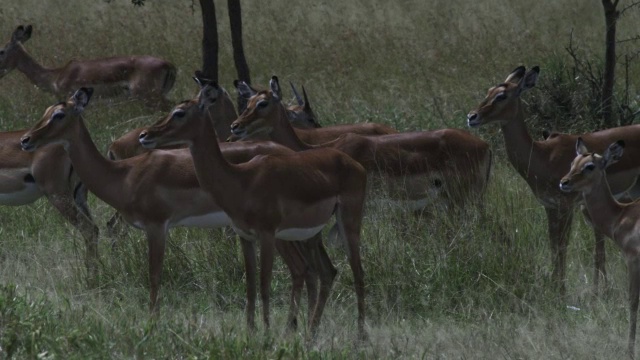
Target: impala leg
{"points": [[156, 240], [249, 253], [79, 216], [599, 257], [296, 260], [349, 217], [599, 260], [633, 266], [115, 228], [559, 224], [267, 247], [327, 272]]}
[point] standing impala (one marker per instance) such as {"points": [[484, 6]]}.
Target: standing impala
{"points": [[449, 163], [620, 222], [145, 78], [26, 177], [289, 197], [157, 191], [543, 163]]}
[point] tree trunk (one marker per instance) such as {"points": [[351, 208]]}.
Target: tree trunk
{"points": [[235, 22], [611, 17], [209, 40]]}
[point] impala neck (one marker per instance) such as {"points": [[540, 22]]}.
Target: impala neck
{"points": [[284, 134], [215, 174], [519, 144], [101, 176], [40, 76], [225, 114], [603, 208]]}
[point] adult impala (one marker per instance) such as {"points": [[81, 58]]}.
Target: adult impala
{"points": [[26, 177], [620, 222], [543, 163], [289, 197], [155, 191], [145, 78], [415, 167], [304, 123]]}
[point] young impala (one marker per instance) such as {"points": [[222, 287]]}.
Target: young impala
{"points": [[289, 197], [543, 163], [415, 167], [620, 222], [145, 78], [157, 191]]}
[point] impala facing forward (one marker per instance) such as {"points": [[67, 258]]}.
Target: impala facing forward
{"points": [[289, 197]]}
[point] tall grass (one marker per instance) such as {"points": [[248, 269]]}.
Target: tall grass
{"points": [[439, 286]]}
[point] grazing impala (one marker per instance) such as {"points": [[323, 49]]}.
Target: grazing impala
{"points": [[156, 191], [26, 177], [620, 222], [414, 166], [289, 197], [142, 77], [543, 163]]}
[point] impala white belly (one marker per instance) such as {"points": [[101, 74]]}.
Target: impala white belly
{"points": [[28, 194], [291, 234], [211, 220]]}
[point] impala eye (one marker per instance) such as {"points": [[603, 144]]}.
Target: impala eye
{"points": [[179, 114], [58, 116], [588, 167], [501, 96], [262, 103]]}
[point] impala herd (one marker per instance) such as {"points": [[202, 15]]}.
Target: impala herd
{"points": [[181, 172]]}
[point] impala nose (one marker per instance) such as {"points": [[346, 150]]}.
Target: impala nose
{"points": [[142, 135], [25, 143], [236, 129], [565, 185], [472, 119]]}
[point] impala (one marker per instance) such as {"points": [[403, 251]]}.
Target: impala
{"points": [[26, 177], [414, 166], [156, 191], [543, 163], [142, 77], [301, 116], [620, 222], [289, 197]]}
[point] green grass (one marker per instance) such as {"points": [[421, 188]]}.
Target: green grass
{"points": [[445, 287]]}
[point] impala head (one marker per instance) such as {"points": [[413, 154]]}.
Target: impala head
{"points": [[52, 128], [301, 115], [7, 59], [587, 169], [503, 100], [260, 113], [185, 120]]}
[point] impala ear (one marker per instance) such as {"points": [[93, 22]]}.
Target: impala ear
{"points": [[581, 148], [516, 75], [81, 98], [208, 95], [21, 34], [613, 154], [295, 93], [274, 85], [244, 90], [529, 80], [201, 79]]}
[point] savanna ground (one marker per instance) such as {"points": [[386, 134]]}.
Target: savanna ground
{"points": [[446, 287]]}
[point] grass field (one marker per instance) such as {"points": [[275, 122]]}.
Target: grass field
{"points": [[443, 288]]}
